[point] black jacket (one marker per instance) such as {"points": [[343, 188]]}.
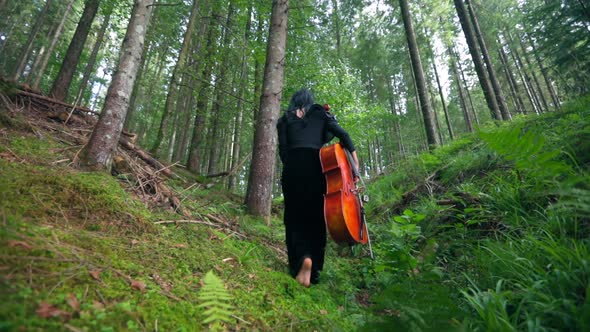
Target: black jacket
{"points": [[311, 131]]}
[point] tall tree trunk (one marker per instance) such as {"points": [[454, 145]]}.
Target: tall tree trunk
{"points": [[444, 104], [476, 57], [489, 66], [550, 87], [216, 109], [26, 49], [195, 153], [41, 70], [94, 54], [397, 127], [262, 169], [462, 101], [62, 82], [198, 55], [466, 88], [242, 81], [540, 94], [98, 153], [160, 145], [512, 80], [535, 104], [429, 121]]}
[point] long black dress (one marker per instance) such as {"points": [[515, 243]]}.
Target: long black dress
{"points": [[304, 185]]}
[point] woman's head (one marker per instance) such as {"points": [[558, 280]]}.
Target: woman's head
{"points": [[302, 99]]}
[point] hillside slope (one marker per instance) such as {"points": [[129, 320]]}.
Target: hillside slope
{"points": [[488, 233]]}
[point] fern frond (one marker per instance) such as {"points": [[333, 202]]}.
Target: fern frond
{"points": [[215, 299]]}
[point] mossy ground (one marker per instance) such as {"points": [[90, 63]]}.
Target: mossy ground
{"points": [[487, 233], [71, 234]]}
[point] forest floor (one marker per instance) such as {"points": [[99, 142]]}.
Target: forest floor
{"points": [[87, 251], [487, 233]]}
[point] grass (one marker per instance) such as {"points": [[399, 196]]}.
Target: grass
{"points": [[75, 235], [487, 233]]}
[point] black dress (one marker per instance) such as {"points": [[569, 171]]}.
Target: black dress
{"points": [[304, 184]]}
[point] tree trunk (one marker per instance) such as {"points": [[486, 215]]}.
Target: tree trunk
{"points": [[525, 55], [98, 153], [160, 145], [476, 57], [26, 49], [41, 71], [489, 66], [462, 101], [92, 59], [524, 77], [195, 157], [429, 121], [242, 81], [262, 169], [218, 104], [62, 82], [444, 104], [513, 84], [550, 87]]}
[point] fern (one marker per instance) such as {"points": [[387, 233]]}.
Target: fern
{"points": [[526, 149], [215, 299]]}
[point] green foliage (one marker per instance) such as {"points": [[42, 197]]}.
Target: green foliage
{"points": [[215, 299], [497, 225]]}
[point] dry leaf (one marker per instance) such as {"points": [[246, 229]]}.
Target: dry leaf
{"points": [[98, 305], [47, 310], [14, 243], [180, 245], [163, 284], [134, 242], [323, 312], [95, 274], [138, 285], [73, 302], [229, 259]]}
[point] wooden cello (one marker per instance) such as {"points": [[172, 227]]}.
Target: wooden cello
{"points": [[343, 203]]}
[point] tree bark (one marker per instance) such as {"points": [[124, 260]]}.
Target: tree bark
{"points": [[195, 154], [476, 57], [550, 87], [489, 66], [62, 82], [26, 49], [98, 152], [41, 71], [512, 81], [444, 104], [242, 81], [429, 121], [262, 169], [218, 104], [462, 101], [94, 54], [160, 145]]}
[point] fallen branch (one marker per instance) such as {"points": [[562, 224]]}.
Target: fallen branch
{"points": [[55, 101], [145, 157]]}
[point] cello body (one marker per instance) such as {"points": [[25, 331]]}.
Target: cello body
{"points": [[343, 209]]}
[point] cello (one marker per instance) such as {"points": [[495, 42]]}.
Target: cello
{"points": [[344, 212]]}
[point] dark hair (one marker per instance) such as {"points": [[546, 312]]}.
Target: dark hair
{"points": [[301, 99]]}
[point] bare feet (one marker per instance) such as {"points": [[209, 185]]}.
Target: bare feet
{"points": [[304, 275]]}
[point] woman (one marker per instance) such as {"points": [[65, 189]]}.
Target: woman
{"points": [[302, 131]]}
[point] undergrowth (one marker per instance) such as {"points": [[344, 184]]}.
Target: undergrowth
{"points": [[489, 233], [79, 252]]}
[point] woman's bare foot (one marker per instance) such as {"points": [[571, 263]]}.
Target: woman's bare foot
{"points": [[304, 275]]}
